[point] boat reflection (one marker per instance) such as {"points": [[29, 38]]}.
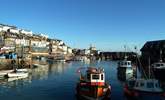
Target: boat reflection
{"points": [[41, 70], [124, 74]]}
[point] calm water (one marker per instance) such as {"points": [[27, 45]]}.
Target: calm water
{"points": [[57, 81]]}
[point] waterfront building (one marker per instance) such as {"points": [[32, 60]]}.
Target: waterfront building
{"points": [[69, 50], [5, 28], [25, 42], [153, 50], [26, 32], [14, 30], [118, 55]]}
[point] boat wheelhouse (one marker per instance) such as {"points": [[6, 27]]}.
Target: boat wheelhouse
{"points": [[158, 65], [125, 64], [159, 70], [92, 85]]}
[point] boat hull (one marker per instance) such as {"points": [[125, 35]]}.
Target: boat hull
{"points": [[17, 74], [159, 73], [133, 93], [88, 92], [124, 74]]}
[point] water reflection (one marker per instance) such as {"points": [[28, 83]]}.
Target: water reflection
{"points": [[124, 74], [57, 81]]}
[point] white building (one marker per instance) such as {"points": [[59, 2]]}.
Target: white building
{"points": [[65, 48], [85, 52], [22, 42], [27, 32], [60, 42], [14, 30], [39, 43], [69, 50], [1, 28], [43, 35], [6, 28]]}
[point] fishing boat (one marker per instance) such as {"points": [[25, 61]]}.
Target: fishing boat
{"points": [[92, 85], [125, 69], [159, 68], [125, 65], [138, 87]]}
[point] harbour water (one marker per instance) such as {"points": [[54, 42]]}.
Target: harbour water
{"points": [[57, 81]]}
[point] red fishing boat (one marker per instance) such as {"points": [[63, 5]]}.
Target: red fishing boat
{"points": [[92, 85]]}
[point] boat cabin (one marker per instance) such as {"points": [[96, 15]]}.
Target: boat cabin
{"points": [[148, 85], [95, 76], [125, 63], [158, 65]]}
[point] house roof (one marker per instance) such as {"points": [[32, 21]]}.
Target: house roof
{"points": [[157, 44]]}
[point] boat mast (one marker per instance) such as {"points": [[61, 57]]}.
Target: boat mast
{"points": [[136, 62], [160, 55], [149, 67], [125, 57]]}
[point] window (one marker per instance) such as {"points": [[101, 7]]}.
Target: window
{"points": [[150, 85], [137, 84], [156, 85], [157, 65], [131, 83], [129, 63], [102, 77], [141, 84], [88, 76], [95, 76]]}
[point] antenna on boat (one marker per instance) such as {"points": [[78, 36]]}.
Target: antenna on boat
{"points": [[125, 56], [160, 55]]}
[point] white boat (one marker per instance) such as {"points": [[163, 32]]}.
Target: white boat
{"points": [[148, 85], [17, 73], [125, 64], [158, 66], [141, 87], [159, 70]]}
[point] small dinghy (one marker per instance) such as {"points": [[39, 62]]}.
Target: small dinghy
{"points": [[18, 73]]}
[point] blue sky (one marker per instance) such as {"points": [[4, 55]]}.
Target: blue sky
{"points": [[107, 24]]}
